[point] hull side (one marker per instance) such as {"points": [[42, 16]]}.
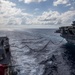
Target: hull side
{"points": [[69, 38], [70, 41]]}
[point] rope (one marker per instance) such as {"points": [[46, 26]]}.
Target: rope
{"points": [[12, 45], [37, 50], [58, 43]]}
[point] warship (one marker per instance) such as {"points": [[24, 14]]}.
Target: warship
{"points": [[68, 32], [5, 57]]}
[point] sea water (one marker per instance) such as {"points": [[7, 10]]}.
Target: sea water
{"points": [[30, 47]]}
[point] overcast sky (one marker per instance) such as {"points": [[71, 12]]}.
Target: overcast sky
{"points": [[36, 13]]}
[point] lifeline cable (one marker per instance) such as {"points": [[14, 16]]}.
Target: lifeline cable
{"points": [[58, 43]]}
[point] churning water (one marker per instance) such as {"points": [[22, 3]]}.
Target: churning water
{"points": [[39, 51]]}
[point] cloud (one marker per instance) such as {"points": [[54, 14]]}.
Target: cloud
{"points": [[53, 18], [10, 14], [67, 17], [72, 8], [68, 4], [36, 9], [57, 2], [30, 1]]}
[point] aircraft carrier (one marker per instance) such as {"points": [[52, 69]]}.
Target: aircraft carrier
{"points": [[68, 32]]}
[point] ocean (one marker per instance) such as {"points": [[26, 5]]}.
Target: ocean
{"points": [[40, 52]]}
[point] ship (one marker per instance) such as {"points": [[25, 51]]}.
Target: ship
{"points": [[5, 57], [68, 32]]}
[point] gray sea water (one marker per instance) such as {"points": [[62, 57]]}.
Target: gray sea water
{"points": [[33, 51]]}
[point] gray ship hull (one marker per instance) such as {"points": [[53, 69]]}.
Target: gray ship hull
{"points": [[70, 41], [69, 38]]}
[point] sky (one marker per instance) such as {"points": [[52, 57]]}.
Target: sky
{"points": [[36, 13]]}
